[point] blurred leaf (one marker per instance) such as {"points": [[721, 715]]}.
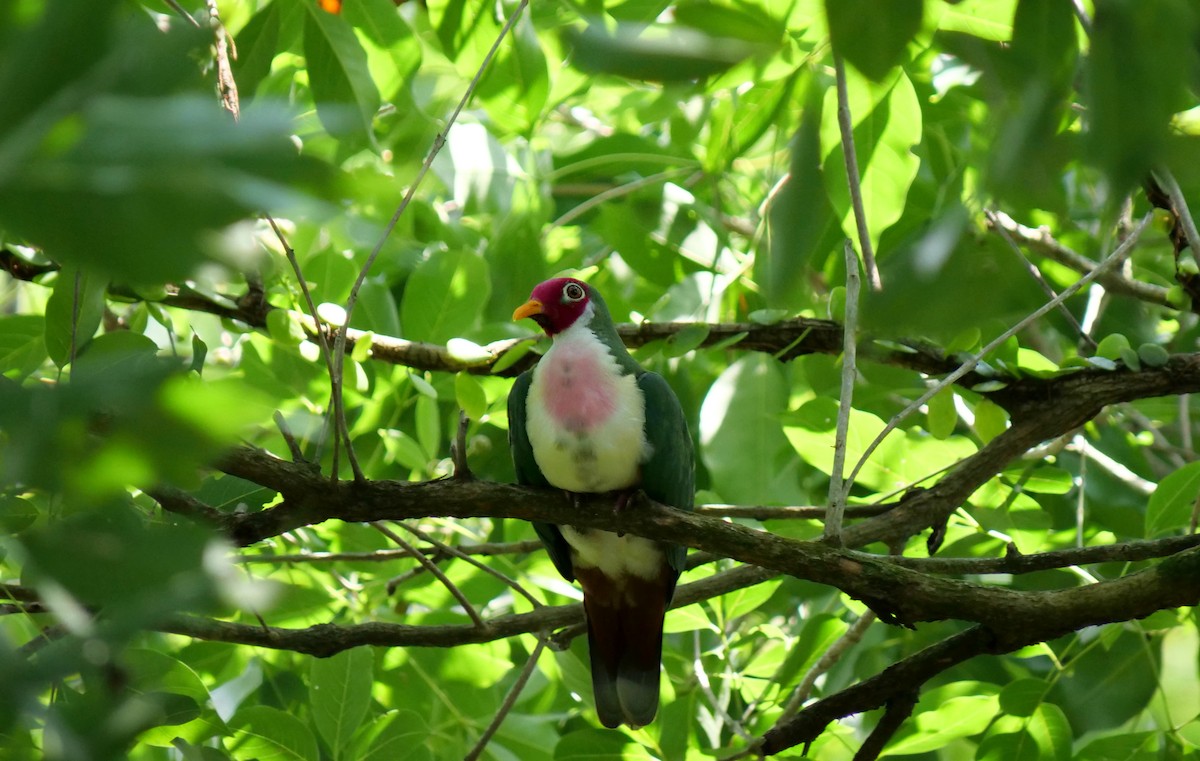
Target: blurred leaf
{"points": [[445, 296], [22, 344], [954, 718], [337, 71], [802, 228], [1138, 49], [658, 53], [990, 420], [871, 35], [157, 175]]}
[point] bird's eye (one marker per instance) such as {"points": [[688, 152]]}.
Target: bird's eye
{"points": [[573, 292]]}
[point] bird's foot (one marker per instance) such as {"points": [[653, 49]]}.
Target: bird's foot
{"points": [[625, 498]]}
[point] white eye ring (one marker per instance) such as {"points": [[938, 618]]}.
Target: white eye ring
{"points": [[573, 292]]}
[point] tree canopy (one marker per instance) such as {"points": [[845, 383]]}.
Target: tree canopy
{"points": [[920, 271]]}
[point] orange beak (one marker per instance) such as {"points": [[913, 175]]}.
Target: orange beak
{"points": [[528, 309]]}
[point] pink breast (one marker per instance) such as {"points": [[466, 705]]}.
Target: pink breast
{"points": [[579, 394]]}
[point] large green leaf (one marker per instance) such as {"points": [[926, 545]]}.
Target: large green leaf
{"points": [[346, 96], [73, 313], [1139, 48], [872, 35], [887, 127], [741, 439], [270, 734], [340, 693], [22, 344], [444, 296], [1171, 505]]}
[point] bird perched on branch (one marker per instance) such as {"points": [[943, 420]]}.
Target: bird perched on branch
{"points": [[588, 419]]}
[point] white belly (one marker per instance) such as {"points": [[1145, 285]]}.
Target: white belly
{"points": [[617, 557]]}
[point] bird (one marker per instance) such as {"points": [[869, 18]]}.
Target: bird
{"points": [[588, 419]]}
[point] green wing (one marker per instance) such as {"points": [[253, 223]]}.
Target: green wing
{"points": [[529, 474], [669, 475]]}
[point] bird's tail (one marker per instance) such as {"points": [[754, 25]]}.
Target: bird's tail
{"points": [[625, 624]]}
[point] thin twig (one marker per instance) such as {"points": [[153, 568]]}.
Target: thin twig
{"points": [[620, 190], [846, 125], [828, 660], [430, 566], [1036, 274], [381, 556], [1045, 244], [1115, 257], [458, 452], [454, 552], [288, 437], [439, 141], [1180, 207], [226, 85], [510, 700], [838, 494]]}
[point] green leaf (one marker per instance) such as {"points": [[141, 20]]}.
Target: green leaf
{"points": [[338, 74], [592, 744], [942, 417], [471, 398], [741, 439], [1023, 696], [952, 719], [658, 53], [22, 344], [871, 35], [990, 420], [73, 313], [256, 47], [270, 734], [1138, 49], [1170, 506], [429, 426], [887, 127], [163, 174], [340, 693], [404, 734], [445, 296]]}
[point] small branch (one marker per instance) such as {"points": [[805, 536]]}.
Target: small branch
{"points": [[900, 678], [1036, 274], [226, 86], [1041, 241], [340, 344], [430, 566], [510, 700], [846, 125], [1016, 563], [382, 556], [1115, 257], [896, 712], [828, 660], [454, 552], [838, 492], [458, 451], [769, 513]]}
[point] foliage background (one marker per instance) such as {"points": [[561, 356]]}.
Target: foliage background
{"points": [[687, 159]]}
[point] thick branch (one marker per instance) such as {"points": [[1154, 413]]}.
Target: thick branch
{"points": [[898, 594], [324, 640]]}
